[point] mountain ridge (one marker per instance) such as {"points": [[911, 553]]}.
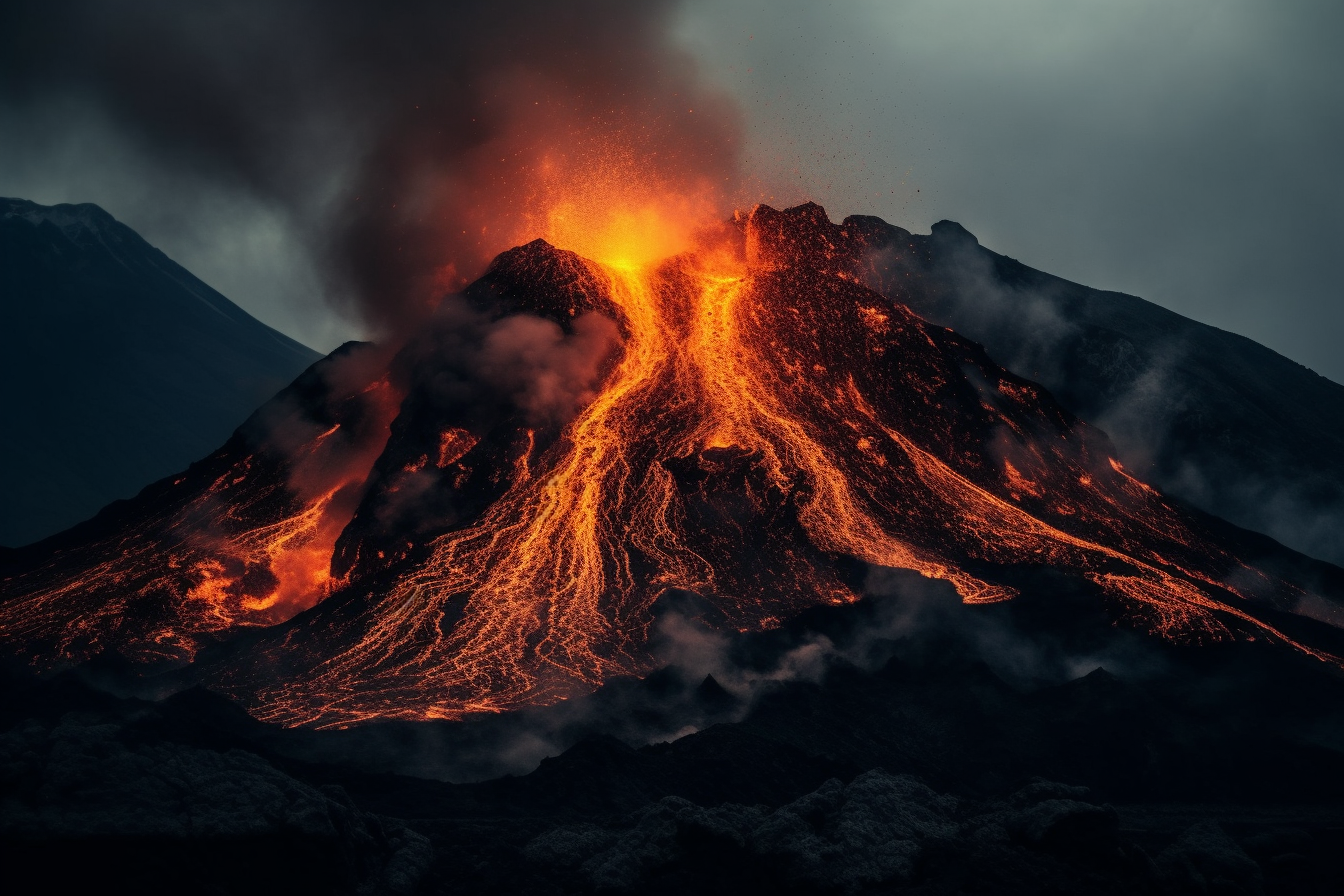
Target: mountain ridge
{"points": [[1210, 416], [133, 366]]}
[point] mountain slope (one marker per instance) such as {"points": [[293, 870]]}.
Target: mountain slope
{"points": [[123, 367], [1207, 415], [496, 516]]}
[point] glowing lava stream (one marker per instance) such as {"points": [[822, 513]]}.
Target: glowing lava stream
{"points": [[766, 422], [537, 565], [241, 542], [743, 397], [745, 412], [549, 591]]}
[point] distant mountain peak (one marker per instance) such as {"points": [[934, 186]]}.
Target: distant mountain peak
{"points": [[82, 215], [1209, 416], [952, 232], [77, 222], [131, 366]]}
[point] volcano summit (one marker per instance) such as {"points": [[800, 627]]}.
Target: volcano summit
{"points": [[489, 517]]}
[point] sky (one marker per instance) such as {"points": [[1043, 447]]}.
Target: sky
{"points": [[1184, 152]]}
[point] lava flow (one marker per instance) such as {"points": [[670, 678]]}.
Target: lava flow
{"points": [[763, 427], [764, 419], [242, 539]]}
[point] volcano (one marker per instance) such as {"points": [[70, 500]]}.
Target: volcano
{"points": [[490, 516]]}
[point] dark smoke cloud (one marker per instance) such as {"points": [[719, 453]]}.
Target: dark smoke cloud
{"points": [[550, 376], [405, 140], [474, 368]]}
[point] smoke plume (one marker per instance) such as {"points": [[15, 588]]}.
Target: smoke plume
{"points": [[408, 141]]}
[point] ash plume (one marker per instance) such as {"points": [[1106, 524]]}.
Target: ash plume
{"points": [[407, 141]]}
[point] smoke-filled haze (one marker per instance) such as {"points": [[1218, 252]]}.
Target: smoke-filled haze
{"points": [[376, 154], [333, 166], [1187, 153]]}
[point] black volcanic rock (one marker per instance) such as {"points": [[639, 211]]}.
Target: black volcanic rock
{"points": [[539, 279], [1206, 860], [1209, 416], [930, 774], [124, 367], [878, 833], [88, 808], [838, 837]]}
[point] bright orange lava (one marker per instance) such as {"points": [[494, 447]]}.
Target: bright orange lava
{"points": [[766, 416], [617, 210], [552, 587], [246, 550]]}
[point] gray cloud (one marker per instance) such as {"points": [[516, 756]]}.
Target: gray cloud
{"points": [[247, 247], [390, 149], [1186, 153], [550, 376]]}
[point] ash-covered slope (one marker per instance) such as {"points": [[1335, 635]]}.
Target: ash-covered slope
{"points": [[1207, 415], [122, 366], [572, 444]]}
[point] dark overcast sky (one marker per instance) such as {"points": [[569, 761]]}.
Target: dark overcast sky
{"points": [[1190, 153], [1185, 152]]}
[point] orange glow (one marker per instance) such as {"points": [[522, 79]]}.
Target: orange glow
{"points": [[452, 445], [616, 208], [245, 551], [767, 416], [560, 574]]}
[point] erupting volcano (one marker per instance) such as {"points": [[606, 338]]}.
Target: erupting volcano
{"points": [[487, 518]]}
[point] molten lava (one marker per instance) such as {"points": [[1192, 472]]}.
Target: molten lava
{"points": [[765, 422], [242, 539]]}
